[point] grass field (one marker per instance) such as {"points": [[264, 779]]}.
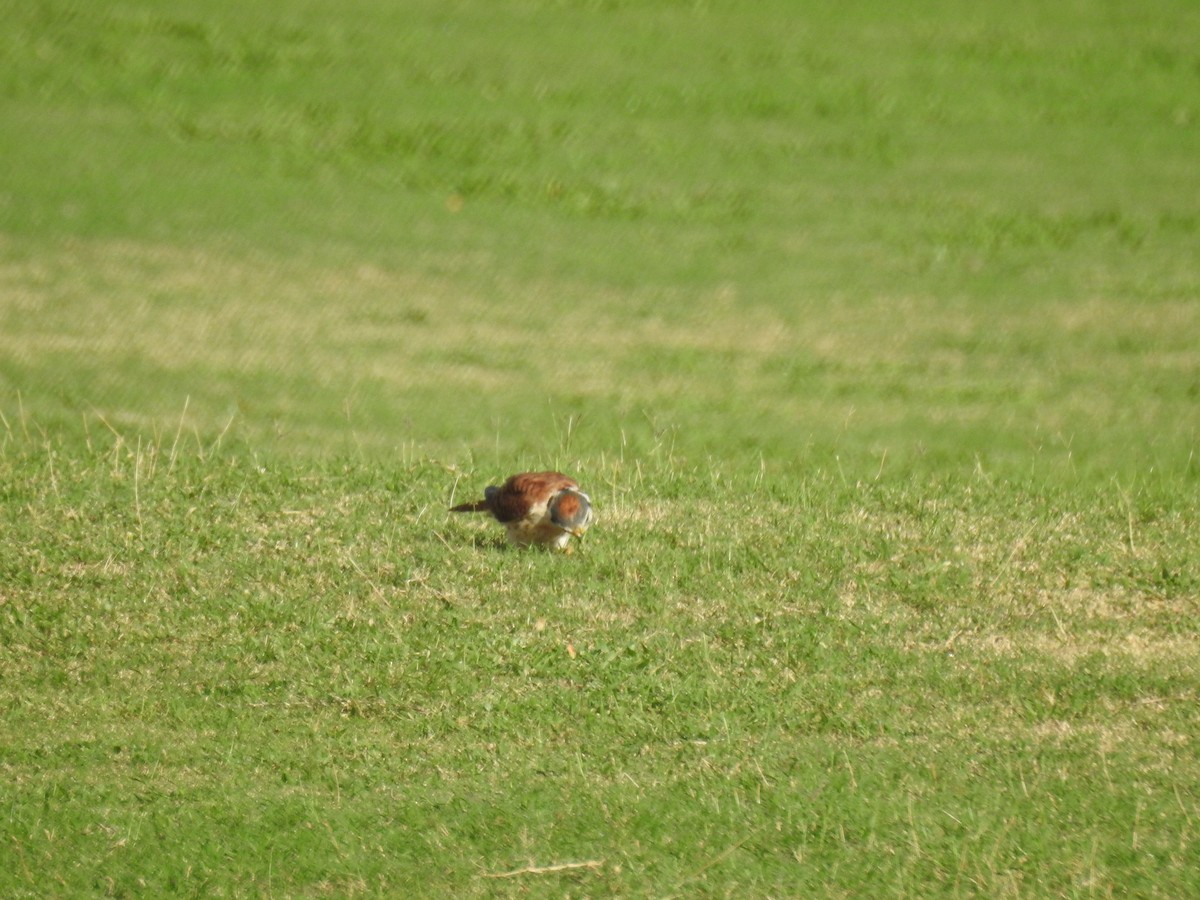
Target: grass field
{"points": [[873, 331]]}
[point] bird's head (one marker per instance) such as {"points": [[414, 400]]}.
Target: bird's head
{"points": [[571, 510]]}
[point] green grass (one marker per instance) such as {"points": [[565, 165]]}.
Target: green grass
{"points": [[232, 677], [872, 331]]}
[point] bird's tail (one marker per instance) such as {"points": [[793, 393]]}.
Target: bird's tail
{"points": [[473, 506]]}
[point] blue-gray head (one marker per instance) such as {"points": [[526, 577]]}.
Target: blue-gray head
{"points": [[571, 510]]}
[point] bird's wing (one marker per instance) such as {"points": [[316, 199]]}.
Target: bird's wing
{"points": [[524, 493]]}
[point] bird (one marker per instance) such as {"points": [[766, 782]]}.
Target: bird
{"points": [[537, 508]]}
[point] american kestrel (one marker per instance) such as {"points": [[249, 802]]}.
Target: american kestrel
{"points": [[545, 508]]}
